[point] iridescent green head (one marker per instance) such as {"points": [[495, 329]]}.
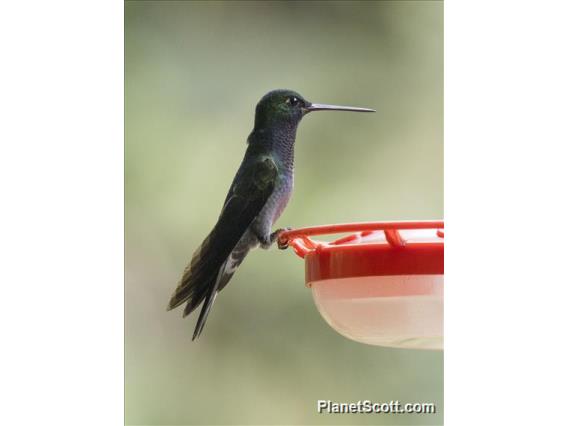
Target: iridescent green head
{"points": [[286, 107]]}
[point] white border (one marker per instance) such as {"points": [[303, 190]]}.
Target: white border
{"points": [[61, 168], [505, 188]]}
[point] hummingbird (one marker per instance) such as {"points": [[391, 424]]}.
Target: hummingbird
{"points": [[257, 197]]}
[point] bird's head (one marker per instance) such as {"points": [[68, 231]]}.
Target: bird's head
{"points": [[286, 107]]}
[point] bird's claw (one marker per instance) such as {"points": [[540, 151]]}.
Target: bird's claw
{"points": [[282, 244]]}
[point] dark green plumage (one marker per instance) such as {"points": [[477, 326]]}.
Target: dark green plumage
{"points": [[258, 195], [246, 198]]}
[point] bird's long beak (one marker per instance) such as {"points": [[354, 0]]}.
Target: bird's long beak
{"points": [[323, 107]]}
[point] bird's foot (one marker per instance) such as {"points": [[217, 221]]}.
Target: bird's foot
{"points": [[275, 236], [267, 241]]}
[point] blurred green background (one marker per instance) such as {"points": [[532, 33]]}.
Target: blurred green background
{"points": [[194, 72]]}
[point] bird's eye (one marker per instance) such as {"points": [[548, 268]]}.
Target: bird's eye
{"points": [[292, 100]]}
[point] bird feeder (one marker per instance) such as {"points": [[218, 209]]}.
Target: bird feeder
{"points": [[380, 285]]}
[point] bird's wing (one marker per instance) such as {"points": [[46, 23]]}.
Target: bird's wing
{"points": [[245, 200]]}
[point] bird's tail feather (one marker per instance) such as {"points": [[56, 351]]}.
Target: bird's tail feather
{"points": [[195, 291], [197, 279], [209, 300], [207, 274]]}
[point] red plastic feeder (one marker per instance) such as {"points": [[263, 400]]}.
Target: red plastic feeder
{"points": [[382, 285]]}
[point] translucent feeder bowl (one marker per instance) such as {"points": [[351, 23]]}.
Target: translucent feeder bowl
{"points": [[382, 285]]}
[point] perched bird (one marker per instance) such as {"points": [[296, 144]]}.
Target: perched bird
{"points": [[258, 195]]}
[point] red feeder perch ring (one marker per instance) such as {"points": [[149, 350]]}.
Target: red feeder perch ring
{"points": [[381, 285]]}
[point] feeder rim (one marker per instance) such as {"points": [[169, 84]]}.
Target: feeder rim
{"points": [[359, 227], [302, 244]]}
